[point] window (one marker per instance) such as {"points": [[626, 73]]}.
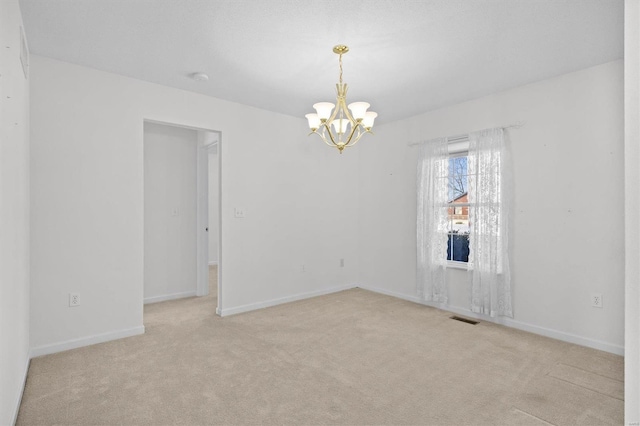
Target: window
{"points": [[462, 219], [458, 208]]}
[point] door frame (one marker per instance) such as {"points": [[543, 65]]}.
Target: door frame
{"points": [[202, 213], [202, 241]]}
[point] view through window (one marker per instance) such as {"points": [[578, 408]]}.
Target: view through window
{"points": [[458, 209]]}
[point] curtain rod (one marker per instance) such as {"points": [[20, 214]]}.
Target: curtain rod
{"points": [[464, 137]]}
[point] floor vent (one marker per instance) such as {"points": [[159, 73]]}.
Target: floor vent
{"points": [[467, 320]]}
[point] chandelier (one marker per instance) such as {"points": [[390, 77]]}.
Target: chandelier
{"points": [[348, 127]]}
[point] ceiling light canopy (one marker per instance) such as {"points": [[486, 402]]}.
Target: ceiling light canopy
{"points": [[349, 124]]}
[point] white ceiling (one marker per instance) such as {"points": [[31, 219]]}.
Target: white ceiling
{"points": [[407, 56]]}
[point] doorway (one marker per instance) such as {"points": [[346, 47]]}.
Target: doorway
{"points": [[208, 171], [181, 212]]}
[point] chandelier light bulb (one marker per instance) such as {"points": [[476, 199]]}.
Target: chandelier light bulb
{"points": [[323, 109], [314, 121], [340, 125], [359, 109], [349, 123], [368, 120]]}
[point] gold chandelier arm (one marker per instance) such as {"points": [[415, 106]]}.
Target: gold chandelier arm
{"points": [[342, 110], [341, 91], [327, 129], [347, 113], [360, 134], [325, 141], [323, 137], [333, 114], [354, 126]]}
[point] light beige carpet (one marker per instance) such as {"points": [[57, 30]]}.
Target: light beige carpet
{"points": [[353, 357]]}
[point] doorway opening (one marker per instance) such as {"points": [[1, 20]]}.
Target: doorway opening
{"points": [[182, 245]]}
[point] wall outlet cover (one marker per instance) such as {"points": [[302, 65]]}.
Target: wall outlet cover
{"points": [[74, 299], [596, 300]]}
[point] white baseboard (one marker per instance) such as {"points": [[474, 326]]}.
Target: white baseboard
{"points": [[547, 332], [163, 298], [85, 341], [24, 383], [287, 299], [213, 262], [402, 296]]}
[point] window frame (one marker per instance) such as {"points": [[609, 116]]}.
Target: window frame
{"points": [[458, 147]]}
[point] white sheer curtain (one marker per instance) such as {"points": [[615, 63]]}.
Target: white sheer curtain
{"points": [[432, 220], [488, 265]]}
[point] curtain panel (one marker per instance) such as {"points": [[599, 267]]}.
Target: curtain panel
{"points": [[489, 196], [431, 223]]}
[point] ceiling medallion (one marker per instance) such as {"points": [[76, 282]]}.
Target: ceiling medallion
{"points": [[348, 127]]}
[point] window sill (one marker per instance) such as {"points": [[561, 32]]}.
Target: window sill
{"points": [[451, 264]]}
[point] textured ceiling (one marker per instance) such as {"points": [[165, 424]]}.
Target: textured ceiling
{"points": [[407, 57]]}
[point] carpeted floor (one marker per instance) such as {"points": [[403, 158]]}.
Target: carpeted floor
{"points": [[353, 357]]}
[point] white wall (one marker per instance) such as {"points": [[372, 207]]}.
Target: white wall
{"points": [[14, 214], [170, 248], [213, 206], [87, 193], [568, 230], [632, 211]]}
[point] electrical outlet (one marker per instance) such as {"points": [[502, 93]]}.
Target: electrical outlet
{"points": [[239, 212], [304, 268], [74, 299], [342, 263], [596, 300]]}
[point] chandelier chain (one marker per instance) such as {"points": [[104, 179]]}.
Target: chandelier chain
{"points": [[340, 68]]}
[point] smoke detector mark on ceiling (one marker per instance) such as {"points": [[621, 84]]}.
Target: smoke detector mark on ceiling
{"points": [[200, 76]]}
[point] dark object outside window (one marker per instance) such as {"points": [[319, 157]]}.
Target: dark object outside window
{"points": [[458, 247]]}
